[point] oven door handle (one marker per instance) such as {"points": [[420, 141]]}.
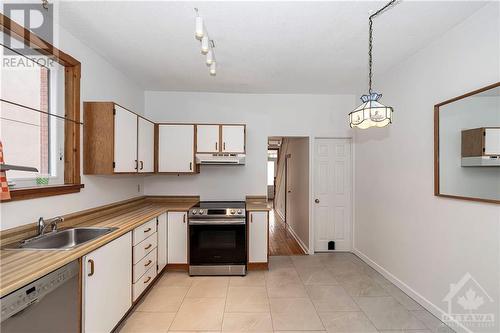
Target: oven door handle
{"points": [[217, 222]]}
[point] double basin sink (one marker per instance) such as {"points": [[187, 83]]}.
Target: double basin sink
{"points": [[62, 240]]}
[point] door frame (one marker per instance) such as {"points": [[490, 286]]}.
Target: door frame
{"points": [[312, 190]]}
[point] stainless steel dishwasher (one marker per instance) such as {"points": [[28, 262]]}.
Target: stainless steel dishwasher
{"points": [[47, 305]]}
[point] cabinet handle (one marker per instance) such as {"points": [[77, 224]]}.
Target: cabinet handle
{"points": [[148, 279], [148, 263], [142, 165], [91, 262], [251, 218], [184, 218], [147, 230], [148, 247], [136, 165], [224, 146], [191, 166]]}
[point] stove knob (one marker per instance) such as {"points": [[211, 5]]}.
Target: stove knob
{"points": [[239, 211], [201, 212], [232, 212], [195, 211]]}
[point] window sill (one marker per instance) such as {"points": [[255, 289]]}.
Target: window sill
{"points": [[42, 191]]}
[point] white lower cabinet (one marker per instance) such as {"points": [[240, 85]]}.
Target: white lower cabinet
{"points": [[258, 237], [162, 242], [107, 285], [177, 237]]}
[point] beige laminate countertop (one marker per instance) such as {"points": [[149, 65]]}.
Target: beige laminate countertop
{"points": [[260, 205], [21, 267]]}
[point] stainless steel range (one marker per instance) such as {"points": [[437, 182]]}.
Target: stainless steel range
{"points": [[217, 238]]}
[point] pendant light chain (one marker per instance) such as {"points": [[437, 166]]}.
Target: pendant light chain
{"points": [[370, 42]]}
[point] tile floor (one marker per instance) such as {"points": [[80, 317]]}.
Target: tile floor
{"points": [[322, 293]]}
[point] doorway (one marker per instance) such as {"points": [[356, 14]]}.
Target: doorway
{"points": [[332, 195], [288, 192]]}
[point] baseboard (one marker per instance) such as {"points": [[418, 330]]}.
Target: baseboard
{"points": [[177, 267], [424, 302], [297, 238], [280, 214]]}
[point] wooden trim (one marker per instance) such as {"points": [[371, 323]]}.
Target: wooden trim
{"points": [[42, 191], [177, 267], [437, 191], [72, 74], [258, 266]]}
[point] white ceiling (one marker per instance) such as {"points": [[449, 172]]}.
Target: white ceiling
{"points": [[261, 47]]}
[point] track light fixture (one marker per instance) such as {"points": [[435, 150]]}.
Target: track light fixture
{"points": [[207, 44]]}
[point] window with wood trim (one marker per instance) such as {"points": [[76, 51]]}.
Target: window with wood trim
{"points": [[39, 115]]}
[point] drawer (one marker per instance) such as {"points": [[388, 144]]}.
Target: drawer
{"points": [[144, 231], [143, 283], [146, 246], [143, 265]]}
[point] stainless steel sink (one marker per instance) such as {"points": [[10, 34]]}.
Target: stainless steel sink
{"points": [[62, 240]]}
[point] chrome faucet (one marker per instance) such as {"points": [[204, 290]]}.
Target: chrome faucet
{"points": [[43, 224]]}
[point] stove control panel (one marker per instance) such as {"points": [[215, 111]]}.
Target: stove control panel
{"points": [[220, 212]]}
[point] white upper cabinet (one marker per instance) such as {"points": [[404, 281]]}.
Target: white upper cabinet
{"points": [[146, 145], [207, 138], [233, 138], [125, 149], [107, 285], [176, 148]]}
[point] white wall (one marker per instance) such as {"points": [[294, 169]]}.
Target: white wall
{"points": [[265, 115], [468, 113], [99, 81], [425, 242], [298, 184]]}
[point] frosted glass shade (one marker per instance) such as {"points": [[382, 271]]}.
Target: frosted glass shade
{"points": [[371, 113]]}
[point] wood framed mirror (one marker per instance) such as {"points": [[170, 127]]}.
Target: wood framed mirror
{"points": [[467, 146]]}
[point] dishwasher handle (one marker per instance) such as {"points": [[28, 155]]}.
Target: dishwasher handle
{"points": [[91, 262]]}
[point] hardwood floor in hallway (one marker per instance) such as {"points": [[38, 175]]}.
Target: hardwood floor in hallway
{"points": [[281, 241]]}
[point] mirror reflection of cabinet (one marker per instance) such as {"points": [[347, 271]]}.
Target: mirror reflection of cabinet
{"points": [[467, 146]]}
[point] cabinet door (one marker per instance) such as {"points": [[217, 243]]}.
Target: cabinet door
{"points": [[492, 141], [146, 145], [176, 148], [177, 237], [107, 285], [257, 238], [207, 138], [162, 241], [233, 138], [125, 140]]}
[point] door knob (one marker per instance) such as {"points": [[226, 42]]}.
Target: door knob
{"points": [[316, 201]]}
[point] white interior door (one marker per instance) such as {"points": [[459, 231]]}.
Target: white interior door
{"points": [[333, 188], [176, 148], [207, 138], [125, 140], [146, 145], [233, 138]]}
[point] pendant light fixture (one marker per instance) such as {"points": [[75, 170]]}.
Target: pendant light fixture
{"points": [[207, 44], [372, 113]]}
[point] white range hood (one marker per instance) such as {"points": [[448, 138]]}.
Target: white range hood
{"points": [[220, 159], [481, 161]]}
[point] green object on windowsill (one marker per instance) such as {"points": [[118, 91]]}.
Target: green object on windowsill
{"points": [[41, 181]]}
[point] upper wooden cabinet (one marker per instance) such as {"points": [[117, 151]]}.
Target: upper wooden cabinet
{"points": [[146, 145], [116, 140], [220, 138], [176, 148]]}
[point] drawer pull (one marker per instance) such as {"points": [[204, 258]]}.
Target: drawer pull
{"points": [[148, 279], [147, 230], [148, 263], [91, 262], [148, 247]]}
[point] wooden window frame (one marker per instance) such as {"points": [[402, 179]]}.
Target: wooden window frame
{"points": [[72, 69]]}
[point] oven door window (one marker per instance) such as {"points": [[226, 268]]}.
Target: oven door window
{"points": [[217, 244]]}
